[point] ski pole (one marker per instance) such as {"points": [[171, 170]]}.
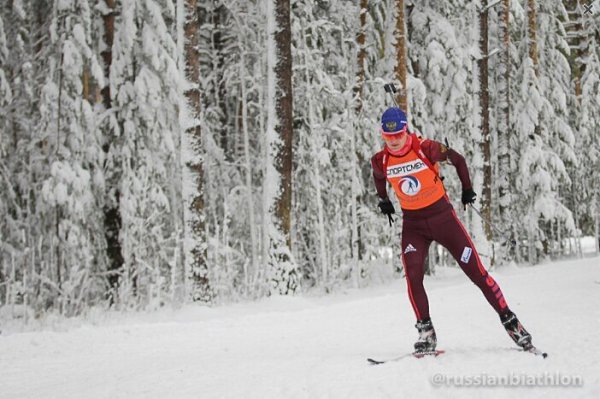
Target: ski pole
{"points": [[391, 220], [391, 89], [500, 233]]}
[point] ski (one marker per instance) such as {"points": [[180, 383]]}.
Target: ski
{"points": [[535, 351], [434, 353], [418, 355]]}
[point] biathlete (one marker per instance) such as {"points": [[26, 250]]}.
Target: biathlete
{"points": [[410, 165]]}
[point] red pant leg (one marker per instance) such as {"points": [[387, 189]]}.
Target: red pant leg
{"points": [[450, 233], [415, 245]]}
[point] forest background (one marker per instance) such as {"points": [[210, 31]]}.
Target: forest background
{"points": [[157, 152]]}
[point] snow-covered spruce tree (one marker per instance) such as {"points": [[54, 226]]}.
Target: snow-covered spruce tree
{"points": [[540, 168], [7, 194], [23, 161], [381, 67], [504, 33], [444, 51], [586, 190], [313, 95], [331, 151], [443, 55], [215, 123], [232, 46], [555, 78], [146, 88], [249, 96], [108, 126], [581, 32], [510, 209], [233, 164], [73, 177]]}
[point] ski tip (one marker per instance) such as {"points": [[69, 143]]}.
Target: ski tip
{"points": [[373, 361]]}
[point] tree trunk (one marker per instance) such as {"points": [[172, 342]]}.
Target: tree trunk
{"points": [[201, 290], [531, 33], [219, 84], [484, 99], [356, 246], [277, 187], [112, 213], [248, 176], [401, 56], [362, 54], [316, 144], [283, 106], [414, 63], [85, 80], [576, 37], [504, 172], [596, 219]]}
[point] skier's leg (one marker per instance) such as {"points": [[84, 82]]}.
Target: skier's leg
{"points": [[450, 233], [414, 250], [415, 246]]}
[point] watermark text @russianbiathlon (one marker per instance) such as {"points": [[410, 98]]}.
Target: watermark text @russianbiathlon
{"points": [[545, 379]]}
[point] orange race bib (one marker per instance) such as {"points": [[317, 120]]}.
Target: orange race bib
{"points": [[414, 183]]}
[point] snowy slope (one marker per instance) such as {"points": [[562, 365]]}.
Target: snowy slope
{"points": [[316, 347]]}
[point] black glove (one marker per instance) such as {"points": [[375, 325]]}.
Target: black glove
{"points": [[387, 208], [468, 197]]}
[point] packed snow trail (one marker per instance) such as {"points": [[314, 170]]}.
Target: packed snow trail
{"points": [[317, 347]]}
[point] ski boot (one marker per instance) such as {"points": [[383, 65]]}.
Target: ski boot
{"points": [[427, 339], [516, 331]]}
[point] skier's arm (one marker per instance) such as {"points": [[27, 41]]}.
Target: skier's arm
{"points": [[438, 152], [378, 175]]}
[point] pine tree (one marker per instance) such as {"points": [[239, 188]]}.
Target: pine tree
{"points": [[504, 173], [484, 99], [401, 56], [112, 216], [201, 287], [277, 179]]}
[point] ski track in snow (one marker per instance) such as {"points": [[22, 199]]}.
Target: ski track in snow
{"points": [[308, 347]]}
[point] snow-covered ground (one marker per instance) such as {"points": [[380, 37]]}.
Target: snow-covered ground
{"points": [[317, 347]]}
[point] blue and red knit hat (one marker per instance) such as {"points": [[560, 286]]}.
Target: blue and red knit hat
{"points": [[393, 121]]}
